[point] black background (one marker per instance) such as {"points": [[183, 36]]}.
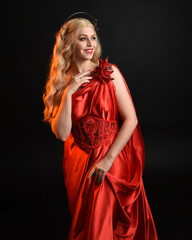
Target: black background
{"points": [[150, 42]]}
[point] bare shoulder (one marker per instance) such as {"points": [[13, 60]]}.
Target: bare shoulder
{"points": [[116, 73], [117, 77], [124, 101]]}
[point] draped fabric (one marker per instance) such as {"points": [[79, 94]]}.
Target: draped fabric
{"points": [[118, 207]]}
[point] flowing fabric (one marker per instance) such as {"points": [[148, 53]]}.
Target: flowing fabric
{"points": [[118, 207]]}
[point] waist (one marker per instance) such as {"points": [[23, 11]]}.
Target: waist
{"points": [[92, 132]]}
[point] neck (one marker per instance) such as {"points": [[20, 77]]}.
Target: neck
{"points": [[80, 66]]}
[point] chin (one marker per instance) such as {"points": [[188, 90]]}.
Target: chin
{"points": [[88, 57]]}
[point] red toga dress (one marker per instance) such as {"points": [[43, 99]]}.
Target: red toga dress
{"points": [[118, 207]]}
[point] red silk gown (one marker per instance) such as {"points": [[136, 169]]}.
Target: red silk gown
{"points": [[117, 208]]}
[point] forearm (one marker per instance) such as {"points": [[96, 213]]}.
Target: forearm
{"points": [[122, 138], [62, 123]]}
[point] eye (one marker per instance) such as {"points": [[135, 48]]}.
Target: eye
{"points": [[82, 39], [94, 38]]}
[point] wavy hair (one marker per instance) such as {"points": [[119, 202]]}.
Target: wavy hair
{"points": [[63, 55]]}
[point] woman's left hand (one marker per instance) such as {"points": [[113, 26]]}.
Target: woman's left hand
{"points": [[100, 169]]}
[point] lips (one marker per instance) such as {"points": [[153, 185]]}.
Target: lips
{"points": [[90, 50]]}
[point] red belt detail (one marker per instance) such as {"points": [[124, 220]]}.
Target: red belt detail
{"points": [[92, 132]]}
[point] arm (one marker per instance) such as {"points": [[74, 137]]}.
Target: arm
{"points": [[128, 114], [61, 124]]}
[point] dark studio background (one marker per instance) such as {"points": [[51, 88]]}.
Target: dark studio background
{"points": [[150, 42]]}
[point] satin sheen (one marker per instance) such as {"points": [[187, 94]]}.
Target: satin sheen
{"points": [[117, 208]]}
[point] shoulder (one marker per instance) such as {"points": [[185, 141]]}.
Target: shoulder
{"points": [[116, 72], [113, 71], [116, 75], [119, 81]]}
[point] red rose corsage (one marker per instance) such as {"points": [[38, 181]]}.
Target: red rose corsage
{"points": [[103, 71]]}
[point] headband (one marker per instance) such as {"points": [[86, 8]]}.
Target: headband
{"points": [[93, 20]]}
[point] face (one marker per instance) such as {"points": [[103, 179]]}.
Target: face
{"points": [[86, 43]]}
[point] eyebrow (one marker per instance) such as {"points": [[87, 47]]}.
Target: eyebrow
{"points": [[85, 34]]}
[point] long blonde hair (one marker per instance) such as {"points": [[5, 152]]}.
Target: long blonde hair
{"points": [[63, 55]]}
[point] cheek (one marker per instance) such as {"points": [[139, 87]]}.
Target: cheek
{"points": [[95, 44], [79, 46]]}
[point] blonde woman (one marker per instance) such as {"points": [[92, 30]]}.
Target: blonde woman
{"points": [[89, 107]]}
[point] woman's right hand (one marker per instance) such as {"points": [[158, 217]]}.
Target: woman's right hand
{"points": [[77, 80]]}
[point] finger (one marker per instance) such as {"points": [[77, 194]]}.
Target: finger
{"points": [[99, 176], [96, 173], [91, 173], [102, 177], [86, 81], [85, 78], [96, 177], [82, 80]]}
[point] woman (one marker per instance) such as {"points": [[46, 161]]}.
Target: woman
{"points": [[89, 107]]}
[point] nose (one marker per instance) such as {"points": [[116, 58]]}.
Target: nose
{"points": [[88, 42]]}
